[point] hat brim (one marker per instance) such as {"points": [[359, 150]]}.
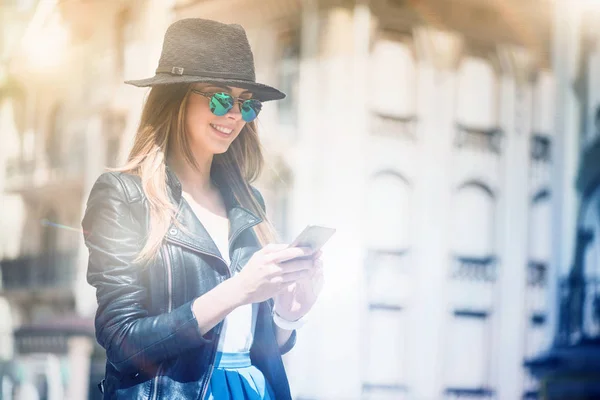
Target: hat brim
{"points": [[259, 91]]}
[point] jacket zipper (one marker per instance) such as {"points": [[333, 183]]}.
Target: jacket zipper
{"points": [[211, 367], [169, 309]]}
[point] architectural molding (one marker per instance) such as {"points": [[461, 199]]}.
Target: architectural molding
{"points": [[443, 49], [518, 63]]}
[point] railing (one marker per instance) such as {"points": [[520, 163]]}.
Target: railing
{"points": [[387, 391], [579, 310], [49, 271], [541, 147], [481, 139], [460, 393], [537, 274], [394, 126], [474, 268]]}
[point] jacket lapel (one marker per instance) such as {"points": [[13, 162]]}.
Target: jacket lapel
{"points": [[192, 234]]}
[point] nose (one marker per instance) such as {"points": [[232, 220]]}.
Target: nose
{"points": [[236, 111]]}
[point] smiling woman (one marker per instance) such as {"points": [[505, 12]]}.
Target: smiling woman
{"points": [[193, 300]]}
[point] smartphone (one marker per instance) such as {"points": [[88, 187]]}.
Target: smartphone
{"points": [[314, 237]]}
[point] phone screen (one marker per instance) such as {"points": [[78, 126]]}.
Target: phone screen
{"points": [[314, 237]]}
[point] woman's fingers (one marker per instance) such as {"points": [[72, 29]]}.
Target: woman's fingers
{"points": [[295, 276], [288, 254], [274, 248]]}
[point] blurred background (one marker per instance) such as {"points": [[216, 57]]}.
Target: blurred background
{"points": [[454, 144]]}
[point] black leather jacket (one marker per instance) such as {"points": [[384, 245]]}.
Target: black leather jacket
{"points": [[144, 318]]}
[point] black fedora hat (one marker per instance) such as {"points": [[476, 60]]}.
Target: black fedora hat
{"points": [[201, 50]]}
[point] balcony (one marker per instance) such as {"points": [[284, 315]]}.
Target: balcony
{"points": [[537, 274], [541, 148], [474, 268], [50, 274], [401, 127], [487, 140], [468, 393], [40, 176]]}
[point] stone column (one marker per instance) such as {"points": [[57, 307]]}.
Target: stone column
{"points": [[438, 56], [510, 318]]}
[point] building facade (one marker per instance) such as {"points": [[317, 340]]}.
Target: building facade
{"points": [[425, 132]]}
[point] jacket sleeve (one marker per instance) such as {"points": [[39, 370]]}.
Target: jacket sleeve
{"points": [[133, 340], [291, 342]]}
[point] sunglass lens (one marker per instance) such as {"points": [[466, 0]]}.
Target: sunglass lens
{"points": [[221, 103], [250, 109]]}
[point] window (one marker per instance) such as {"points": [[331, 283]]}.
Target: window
{"points": [[477, 93], [289, 76], [467, 336], [543, 103], [540, 148], [472, 233], [477, 108], [385, 366], [388, 211], [540, 231], [393, 101]]}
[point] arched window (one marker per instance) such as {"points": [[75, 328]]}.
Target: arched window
{"points": [[393, 97], [540, 238], [393, 101], [472, 234], [289, 76], [543, 104], [477, 94], [388, 212]]}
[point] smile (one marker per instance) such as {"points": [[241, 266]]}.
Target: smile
{"points": [[222, 129]]}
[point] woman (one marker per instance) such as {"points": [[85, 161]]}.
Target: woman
{"points": [[193, 301]]}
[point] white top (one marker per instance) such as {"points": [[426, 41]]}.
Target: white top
{"points": [[237, 334]]}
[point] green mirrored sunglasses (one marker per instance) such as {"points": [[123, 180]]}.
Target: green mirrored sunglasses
{"points": [[220, 104]]}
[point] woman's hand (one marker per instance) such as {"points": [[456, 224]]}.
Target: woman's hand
{"points": [[298, 297], [267, 273]]}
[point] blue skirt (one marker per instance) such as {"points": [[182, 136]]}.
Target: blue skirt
{"points": [[235, 378]]}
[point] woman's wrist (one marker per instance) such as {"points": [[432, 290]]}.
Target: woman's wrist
{"points": [[287, 323], [234, 291], [223, 298]]}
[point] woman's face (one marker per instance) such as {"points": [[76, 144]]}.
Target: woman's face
{"points": [[210, 133]]}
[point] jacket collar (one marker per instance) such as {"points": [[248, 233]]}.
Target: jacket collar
{"points": [[195, 236]]}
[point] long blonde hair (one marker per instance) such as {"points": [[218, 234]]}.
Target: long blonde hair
{"points": [[162, 125]]}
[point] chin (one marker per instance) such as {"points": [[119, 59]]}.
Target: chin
{"points": [[220, 149]]}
